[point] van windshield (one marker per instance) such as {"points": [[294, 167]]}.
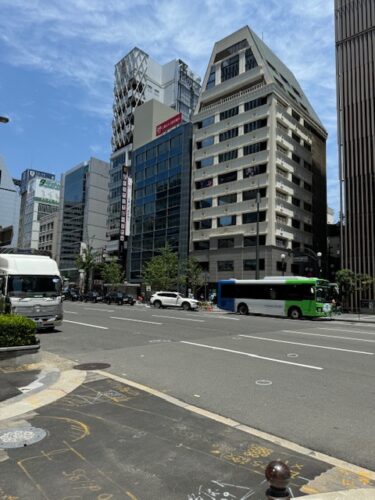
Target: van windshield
{"points": [[34, 286]]}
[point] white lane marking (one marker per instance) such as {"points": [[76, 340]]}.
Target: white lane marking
{"points": [[97, 309], [86, 324], [307, 345], [69, 312], [349, 331], [137, 320], [253, 355], [328, 336], [213, 316], [175, 317]]}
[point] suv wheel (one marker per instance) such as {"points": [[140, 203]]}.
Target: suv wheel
{"points": [[186, 306], [157, 304]]}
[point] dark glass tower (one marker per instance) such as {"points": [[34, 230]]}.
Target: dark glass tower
{"points": [[355, 53]]}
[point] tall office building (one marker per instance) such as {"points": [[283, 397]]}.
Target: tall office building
{"points": [[9, 207], [257, 143], [355, 68], [138, 78], [161, 186], [40, 196], [83, 212]]}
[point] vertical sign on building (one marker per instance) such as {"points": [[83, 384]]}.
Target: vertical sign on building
{"points": [[126, 198]]}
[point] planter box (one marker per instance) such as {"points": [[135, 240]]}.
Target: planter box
{"points": [[13, 357]]}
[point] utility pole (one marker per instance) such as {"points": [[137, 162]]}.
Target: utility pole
{"points": [[257, 237]]}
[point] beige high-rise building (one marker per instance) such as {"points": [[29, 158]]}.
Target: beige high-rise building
{"points": [[256, 135]]}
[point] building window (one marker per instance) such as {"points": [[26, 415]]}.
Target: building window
{"points": [[307, 206], [255, 103], [228, 134], [203, 184], [230, 68], [281, 266], [307, 165], [296, 137], [208, 141], [251, 264], [203, 224], [206, 122], [307, 186], [229, 155], [296, 180], [224, 115], [308, 228], [206, 162], [296, 223], [176, 142], [295, 115], [162, 166], [211, 78], [226, 220], [250, 61], [296, 158], [227, 199], [251, 241], [254, 148], [254, 170], [225, 265], [281, 243], [202, 245], [251, 217], [252, 194], [296, 202], [249, 127], [150, 153], [163, 147], [206, 203], [281, 219], [225, 243], [229, 177], [282, 172]]}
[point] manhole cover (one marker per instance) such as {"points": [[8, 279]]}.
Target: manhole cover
{"points": [[21, 436], [92, 366]]}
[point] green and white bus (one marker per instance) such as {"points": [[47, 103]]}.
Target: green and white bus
{"points": [[292, 296]]}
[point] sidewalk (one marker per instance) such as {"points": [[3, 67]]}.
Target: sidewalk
{"points": [[93, 435]]}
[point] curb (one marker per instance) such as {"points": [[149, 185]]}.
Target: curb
{"points": [[335, 462]]}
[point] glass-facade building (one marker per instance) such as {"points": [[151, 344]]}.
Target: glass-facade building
{"points": [[161, 199]]}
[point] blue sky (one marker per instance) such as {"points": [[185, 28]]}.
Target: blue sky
{"points": [[57, 61]]}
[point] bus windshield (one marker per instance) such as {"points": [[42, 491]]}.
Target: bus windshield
{"points": [[322, 294], [34, 286]]}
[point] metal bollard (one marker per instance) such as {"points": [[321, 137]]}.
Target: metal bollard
{"points": [[278, 475]]}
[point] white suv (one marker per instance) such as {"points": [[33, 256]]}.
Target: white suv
{"points": [[172, 299]]}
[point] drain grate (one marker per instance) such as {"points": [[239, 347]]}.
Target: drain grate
{"points": [[92, 366], [20, 437]]}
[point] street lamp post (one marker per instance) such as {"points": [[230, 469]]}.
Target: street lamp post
{"points": [[319, 256], [283, 256], [257, 238]]}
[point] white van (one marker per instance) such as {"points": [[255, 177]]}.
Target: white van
{"points": [[30, 285]]}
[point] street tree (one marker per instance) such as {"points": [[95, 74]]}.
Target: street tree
{"points": [[161, 272], [86, 263], [193, 275], [349, 282], [112, 273]]}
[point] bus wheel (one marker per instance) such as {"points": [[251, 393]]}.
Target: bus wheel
{"points": [[294, 313], [242, 309]]}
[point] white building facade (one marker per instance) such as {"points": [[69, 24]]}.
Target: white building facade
{"points": [[9, 203], [258, 155]]}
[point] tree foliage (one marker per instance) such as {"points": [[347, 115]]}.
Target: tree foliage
{"points": [[112, 273], [86, 262], [193, 275], [350, 282], [161, 272]]}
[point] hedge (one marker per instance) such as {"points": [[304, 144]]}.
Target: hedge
{"points": [[16, 331]]}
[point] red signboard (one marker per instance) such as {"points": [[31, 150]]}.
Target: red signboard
{"points": [[171, 122]]}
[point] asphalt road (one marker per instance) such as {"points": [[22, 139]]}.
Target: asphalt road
{"points": [[307, 381]]}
